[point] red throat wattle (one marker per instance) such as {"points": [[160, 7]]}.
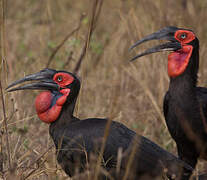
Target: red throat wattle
{"points": [[178, 61], [43, 102]]}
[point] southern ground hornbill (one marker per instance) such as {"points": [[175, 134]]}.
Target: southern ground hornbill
{"points": [[185, 105], [76, 139]]}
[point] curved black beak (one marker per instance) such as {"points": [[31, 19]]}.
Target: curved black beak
{"points": [[166, 33], [45, 78]]}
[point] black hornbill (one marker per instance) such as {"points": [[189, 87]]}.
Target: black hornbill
{"points": [[185, 104], [76, 139]]}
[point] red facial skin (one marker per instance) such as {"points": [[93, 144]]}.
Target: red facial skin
{"points": [[43, 101], [178, 61], [66, 79]]}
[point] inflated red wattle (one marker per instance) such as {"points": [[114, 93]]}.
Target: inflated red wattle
{"points": [[178, 61], [43, 102], [63, 98], [51, 114]]}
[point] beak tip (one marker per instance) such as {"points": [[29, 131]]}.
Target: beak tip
{"points": [[134, 45], [132, 59], [130, 48]]}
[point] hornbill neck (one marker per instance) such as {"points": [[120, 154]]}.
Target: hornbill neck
{"points": [[185, 83], [182, 92], [66, 116]]}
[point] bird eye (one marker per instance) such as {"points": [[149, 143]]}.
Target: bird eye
{"points": [[183, 35], [59, 78]]}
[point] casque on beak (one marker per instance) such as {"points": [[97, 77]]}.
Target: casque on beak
{"points": [[163, 34], [45, 78]]}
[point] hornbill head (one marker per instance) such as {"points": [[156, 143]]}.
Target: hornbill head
{"points": [[62, 87], [181, 41]]}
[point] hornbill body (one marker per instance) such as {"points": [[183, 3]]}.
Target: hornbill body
{"points": [[185, 104], [76, 139]]}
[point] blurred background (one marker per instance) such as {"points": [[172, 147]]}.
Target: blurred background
{"points": [[131, 93]]}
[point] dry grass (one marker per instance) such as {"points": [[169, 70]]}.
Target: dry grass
{"points": [[32, 31]]}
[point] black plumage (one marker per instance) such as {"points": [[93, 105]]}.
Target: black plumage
{"points": [[185, 104], [77, 140]]}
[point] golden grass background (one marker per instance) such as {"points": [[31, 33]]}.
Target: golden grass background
{"points": [[32, 31]]}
